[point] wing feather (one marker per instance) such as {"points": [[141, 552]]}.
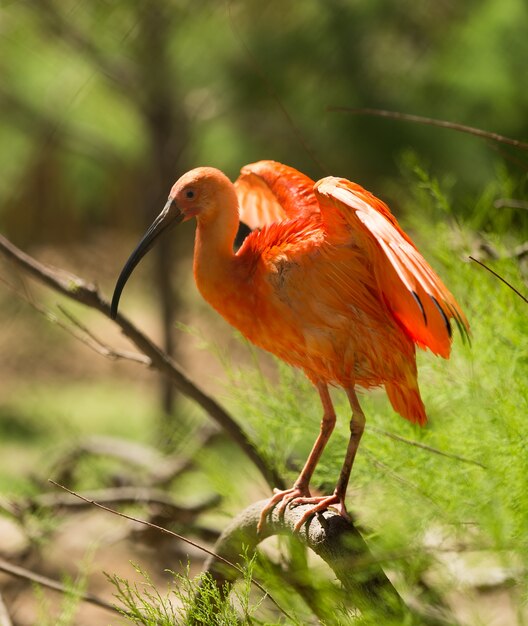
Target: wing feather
{"points": [[411, 289], [271, 192]]}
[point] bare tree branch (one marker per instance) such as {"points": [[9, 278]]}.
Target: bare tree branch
{"points": [[500, 278], [88, 338], [418, 119], [77, 289], [100, 347], [160, 469], [424, 446], [119, 496], [333, 538], [510, 203], [166, 531], [49, 583]]}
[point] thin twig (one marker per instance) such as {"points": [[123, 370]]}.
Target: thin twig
{"points": [[508, 157], [173, 534], [424, 446], [89, 340], [77, 289], [394, 475], [500, 278], [104, 349], [419, 119], [49, 583]]}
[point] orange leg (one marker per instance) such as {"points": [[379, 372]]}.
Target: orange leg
{"points": [[337, 499], [301, 487]]}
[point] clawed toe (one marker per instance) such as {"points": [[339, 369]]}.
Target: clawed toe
{"points": [[296, 497], [320, 504], [285, 497]]}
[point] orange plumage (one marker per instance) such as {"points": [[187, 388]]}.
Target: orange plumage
{"points": [[327, 281]]}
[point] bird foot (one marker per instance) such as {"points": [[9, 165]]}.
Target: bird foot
{"points": [[321, 503], [285, 497]]}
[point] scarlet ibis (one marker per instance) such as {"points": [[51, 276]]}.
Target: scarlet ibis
{"points": [[327, 281]]}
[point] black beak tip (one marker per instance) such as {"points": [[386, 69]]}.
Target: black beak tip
{"points": [[113, 307]]}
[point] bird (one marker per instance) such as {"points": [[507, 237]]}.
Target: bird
{"points": [[326, 280]]}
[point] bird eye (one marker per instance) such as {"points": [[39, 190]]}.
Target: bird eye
{"points": [[189, 193]]}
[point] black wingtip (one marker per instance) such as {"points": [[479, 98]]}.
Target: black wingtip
{"points": [[462, 328], [444, 316], [420, 305]]}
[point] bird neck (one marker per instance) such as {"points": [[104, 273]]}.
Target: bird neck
{"points": [[213, 252]]}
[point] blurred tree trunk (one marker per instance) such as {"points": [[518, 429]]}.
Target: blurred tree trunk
{"points": [[168, 127]]}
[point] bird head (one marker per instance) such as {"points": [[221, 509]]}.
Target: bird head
{"points": [[200, 193]]}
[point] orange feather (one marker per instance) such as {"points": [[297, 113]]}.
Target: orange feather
{"points": [[341, 291], [327, 281]]}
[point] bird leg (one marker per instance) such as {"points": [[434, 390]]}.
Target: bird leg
{"points": [[301, 487], [337, 499]]}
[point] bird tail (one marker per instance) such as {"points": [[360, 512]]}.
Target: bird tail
{"points": [[407, 402]]}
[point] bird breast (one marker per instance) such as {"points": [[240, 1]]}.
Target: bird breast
{"points": [[315, 306]]}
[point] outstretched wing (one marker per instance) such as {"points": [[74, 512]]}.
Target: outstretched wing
{"points": [[271, 192], [411, 289]]}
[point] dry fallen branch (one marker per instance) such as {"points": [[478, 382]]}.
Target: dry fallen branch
{"points": [[159, 469], [119, 496], [49, 583], [77, 289]]}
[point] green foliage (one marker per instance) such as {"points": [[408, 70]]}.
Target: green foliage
{"points": [[66, 615], [87, 92], [186, 600], [96, 115], [477, 404]]}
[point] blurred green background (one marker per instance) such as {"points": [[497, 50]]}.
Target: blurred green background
{"points": [[105, 103]]}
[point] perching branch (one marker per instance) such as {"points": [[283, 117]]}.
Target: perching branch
{"points": [[334, 539], [419, 119], [77, 289]]}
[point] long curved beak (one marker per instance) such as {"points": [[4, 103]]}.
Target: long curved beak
{"points": [[170, 216]]}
